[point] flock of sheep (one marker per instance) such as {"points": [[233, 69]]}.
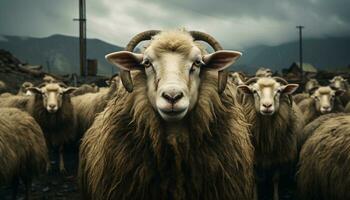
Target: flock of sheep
{"points": [[175, 125]]}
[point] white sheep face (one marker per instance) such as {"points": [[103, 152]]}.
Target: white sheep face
{"points": [[173, 63], [52, 95], [267, 93], [173, 81], [324, 98]]}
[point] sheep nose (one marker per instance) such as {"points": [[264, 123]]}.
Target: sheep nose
{"points": [[267, 105], [326, 107], [52, 106], [173, 96]]}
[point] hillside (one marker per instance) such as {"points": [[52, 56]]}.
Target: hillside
{"points": [[60, 53]]}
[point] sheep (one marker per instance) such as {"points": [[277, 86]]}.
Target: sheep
{"points": [[86, 88], [156, 139], [322, 100], [308, 130], [309, 86], [51, 107], [87, 106], [23, 90], [324, 166], [236, 78], [49, 79], [276, 121], [339, 83], [22, 148], [263, 72]]}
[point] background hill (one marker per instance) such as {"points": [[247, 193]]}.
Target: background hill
{"points": [[60, 53]]}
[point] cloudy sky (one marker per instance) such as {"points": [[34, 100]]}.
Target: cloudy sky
{"points": [[235, 23]]}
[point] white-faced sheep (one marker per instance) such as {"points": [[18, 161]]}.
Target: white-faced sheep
{"points": [[340, 83], [174, 136], [309, 86], [22, 148], [51, 107], [23, 90], [275, 123], [87, 106], [323, 100], [324, 166]]}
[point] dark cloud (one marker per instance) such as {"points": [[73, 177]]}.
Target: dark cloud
{"points": [[237, 24]]}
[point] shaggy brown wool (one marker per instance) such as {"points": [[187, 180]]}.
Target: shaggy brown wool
{"points": [[324, 172], [308, 108], [85, 88], [310, 128], [60, 127], [274, 137], [300, 97], [87, 107], [22, 147], [129, 154]]}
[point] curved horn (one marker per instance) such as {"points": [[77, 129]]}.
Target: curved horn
{"points": [[125, 76], [281, 80], [251, 80], [222, 76]]}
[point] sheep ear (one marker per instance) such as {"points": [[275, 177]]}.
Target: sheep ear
{"points": [[290, 88], [126, 60], [245, 89], [34, 90], [69, 90], [108, 82], [220, 60]]}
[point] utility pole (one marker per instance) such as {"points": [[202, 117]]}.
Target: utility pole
{"points": [[82, 37], [301, 51]]}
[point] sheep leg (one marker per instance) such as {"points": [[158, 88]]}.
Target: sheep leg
{"points": [[275, 181], [15, 188], [62, 168]]}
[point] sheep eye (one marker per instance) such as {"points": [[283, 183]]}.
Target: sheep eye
{"points": [[147, 63]]}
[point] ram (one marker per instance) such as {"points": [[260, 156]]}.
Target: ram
{"points": [[276, 121], [175, 136], [324, 166], [22, 148]]}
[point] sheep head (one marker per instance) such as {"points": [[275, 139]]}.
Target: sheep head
{"points": [[324, 98], [338, 82], [52, 95], [172, 63], [267, 92], [311, 84]]}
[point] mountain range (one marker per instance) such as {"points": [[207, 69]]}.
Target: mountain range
{"points": [[60, 54]]}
